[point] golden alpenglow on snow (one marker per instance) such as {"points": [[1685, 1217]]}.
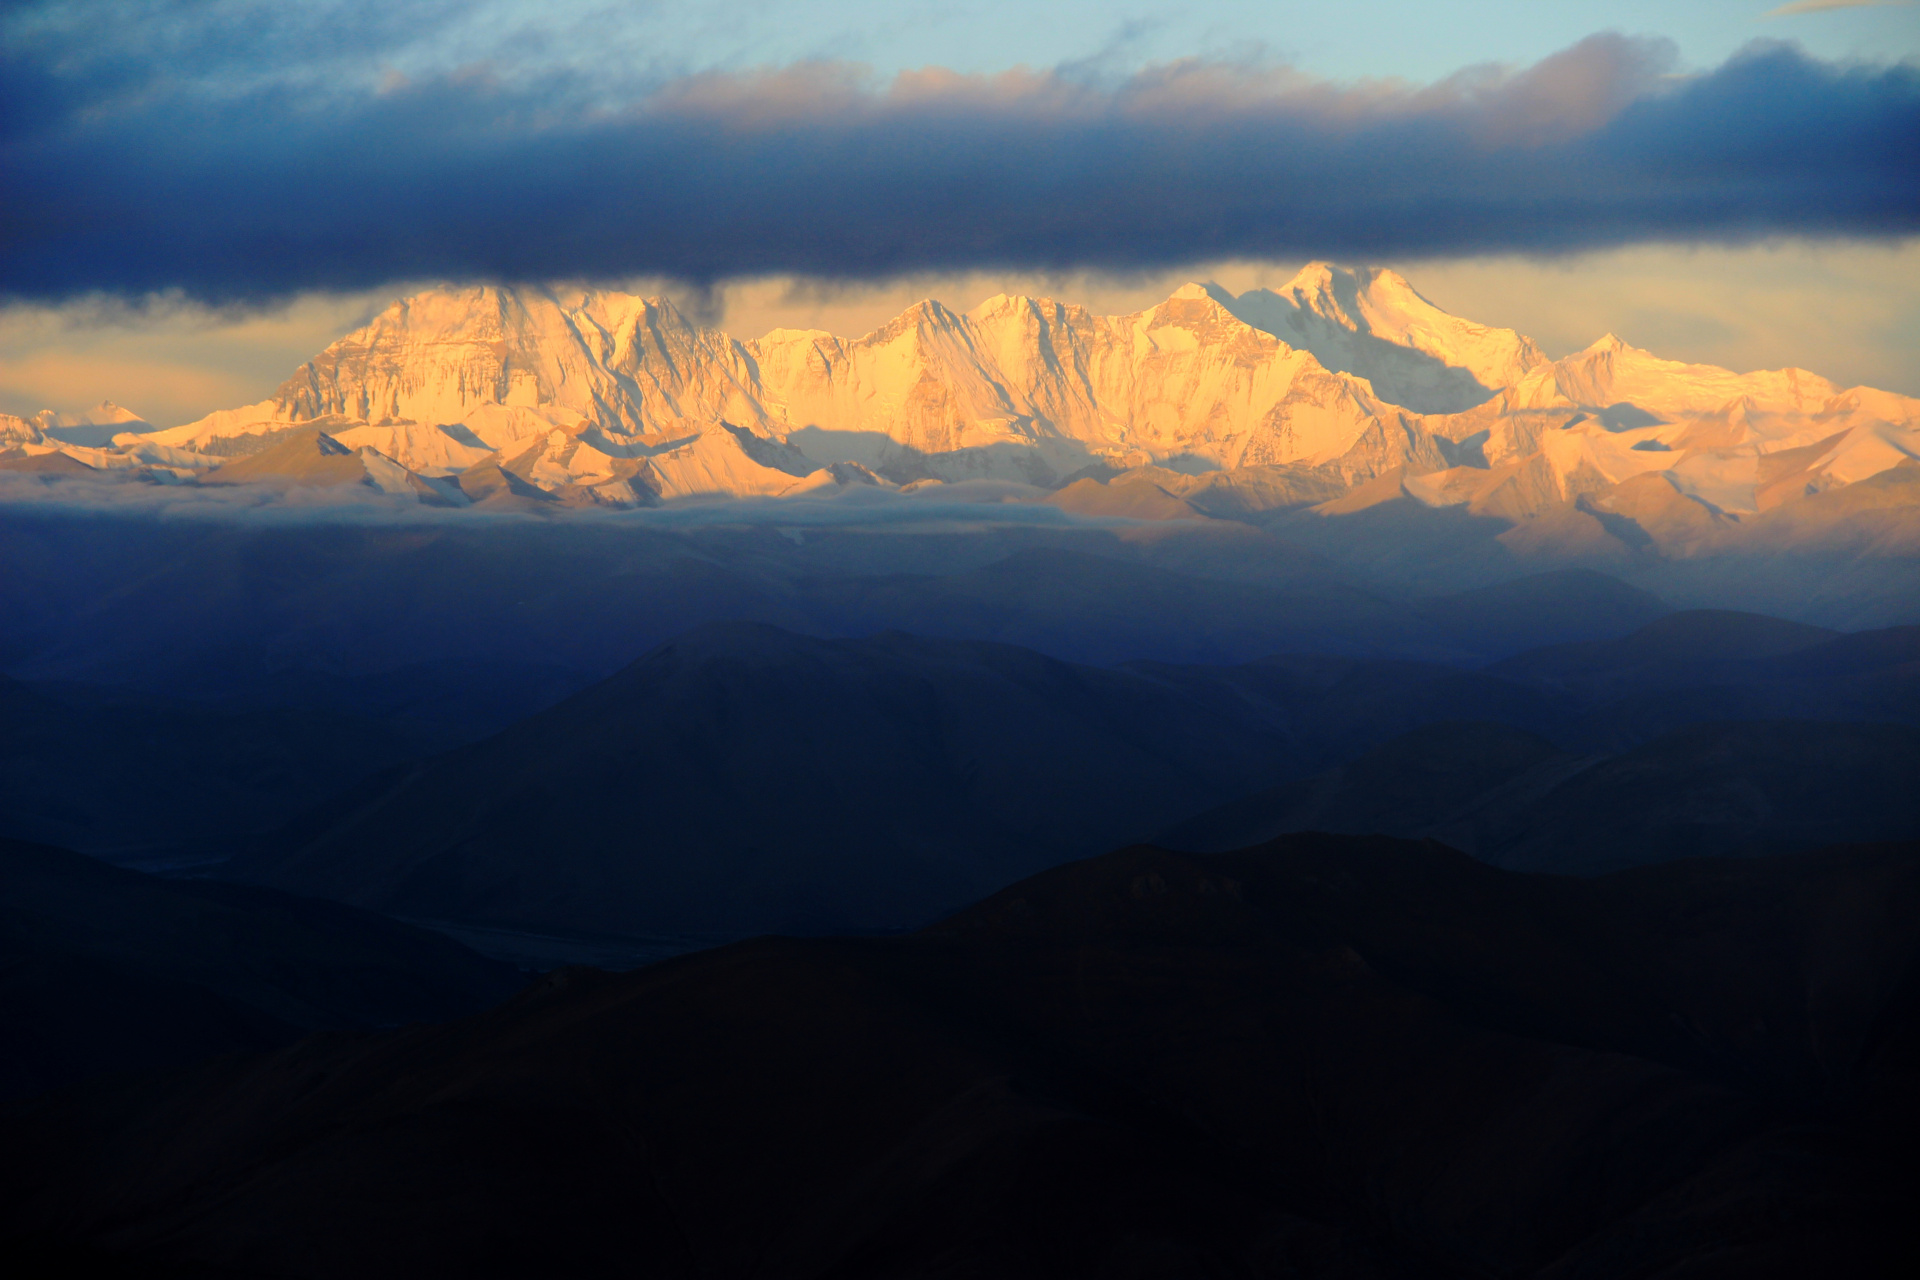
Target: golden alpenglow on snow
{"points": [[1341, 377]]}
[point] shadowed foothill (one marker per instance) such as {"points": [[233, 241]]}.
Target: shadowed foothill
{"points": [[1328, 1056], [109, 970]]}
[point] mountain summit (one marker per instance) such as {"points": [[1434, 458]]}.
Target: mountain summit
{"points": [[1343, 384], [1369, 321]]}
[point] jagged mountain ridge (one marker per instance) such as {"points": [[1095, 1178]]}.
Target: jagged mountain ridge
{"points": [[1343, 377], [1370, 321], [1019, 388]]}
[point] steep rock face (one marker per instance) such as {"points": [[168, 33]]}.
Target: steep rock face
{"points": [[445, 379], [916, 398], [16, 432], [634, 366], [1372, 323], [1184, 379], [1020, 388]]}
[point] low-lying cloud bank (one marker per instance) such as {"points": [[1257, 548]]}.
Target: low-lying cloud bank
{"points": [[968, 503], [260, 193]]}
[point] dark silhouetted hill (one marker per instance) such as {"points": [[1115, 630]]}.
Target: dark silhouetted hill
{"points": [[200, 608], [1715, 789], [1558, 607], [1326, 1057], [1695, 646], [122, 774], [744, 778], [1513, 799], [1100, 609], [1705, 665], [1405, 787], [107, 969]]}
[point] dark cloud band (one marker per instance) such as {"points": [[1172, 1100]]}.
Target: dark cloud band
{"points": [[271, 192]]}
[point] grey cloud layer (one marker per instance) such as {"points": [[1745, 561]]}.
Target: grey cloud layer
{"points": [[271, 190]]}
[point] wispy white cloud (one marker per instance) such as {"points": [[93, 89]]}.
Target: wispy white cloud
{"points": [[1821, 6]]}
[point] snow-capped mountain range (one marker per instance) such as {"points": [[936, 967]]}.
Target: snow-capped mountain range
{"points": [[89, 427], [1343, 377]]}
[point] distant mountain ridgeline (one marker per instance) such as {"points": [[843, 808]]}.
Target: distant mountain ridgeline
{"points": [[183, 690], [1343, 390], [741, 779]]}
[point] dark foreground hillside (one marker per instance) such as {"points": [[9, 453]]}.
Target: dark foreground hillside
{"points": [[107, 969], [1512, 799], [1328, 1056]]}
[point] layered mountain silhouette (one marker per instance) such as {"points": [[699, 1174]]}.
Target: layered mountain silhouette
{"points": [[182, 773], [104, 969], [1515, 800], [1104, 610], [1322, 1057], [118, 774], [201, 609], [744, 778], [1658, 678], [1669, 742]]}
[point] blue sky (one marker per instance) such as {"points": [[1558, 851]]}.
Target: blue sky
{"points": [[617, 44], [1415, 39]]}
